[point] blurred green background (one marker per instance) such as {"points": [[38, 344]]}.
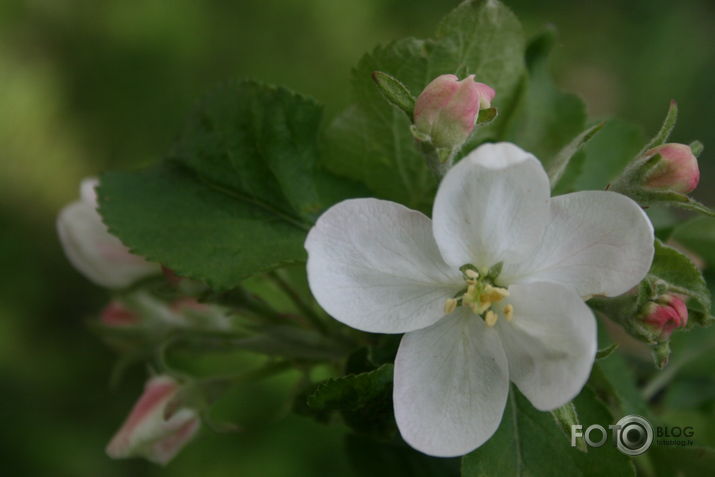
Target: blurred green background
{"points": [[86, 86]]}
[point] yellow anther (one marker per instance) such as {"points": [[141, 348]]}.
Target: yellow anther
{"points": [[509, 312], [490, 318], [471, 274], [494, 294], [450, 305]]}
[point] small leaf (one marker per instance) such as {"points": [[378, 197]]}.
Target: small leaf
{"points": [[395, 92], [486, 116], [607, 351], [563, 158], [681, 276], [697, 148], [671, 118]]}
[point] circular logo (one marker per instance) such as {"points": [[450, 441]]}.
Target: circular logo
{"points": [[634, 435]]}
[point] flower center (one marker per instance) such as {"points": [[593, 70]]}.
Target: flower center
{"points": [[481, 293]]}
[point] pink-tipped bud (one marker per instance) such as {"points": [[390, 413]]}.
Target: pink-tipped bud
{"points": [[677, 170], [447, 110], [116, 315], [93, 251], [666, 314], [156, 429]]}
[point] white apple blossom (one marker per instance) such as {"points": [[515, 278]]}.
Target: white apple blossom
{"points": [[92, 250], [490, 290]]}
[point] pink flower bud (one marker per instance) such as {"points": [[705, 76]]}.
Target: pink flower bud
{"points": [[153, 430], [665, 315], [446, 111], [93, 251], [116, 315], [677, 171]]}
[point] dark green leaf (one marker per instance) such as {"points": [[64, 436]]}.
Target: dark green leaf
{"points": [[529, 443], [364, 400], [239, 193], [371, 141]]}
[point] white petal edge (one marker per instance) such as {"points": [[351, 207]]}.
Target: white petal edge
{"points": [[550, 343], [492, 206], [374, 265], [451, 385], [598, 243], [94, 252]]}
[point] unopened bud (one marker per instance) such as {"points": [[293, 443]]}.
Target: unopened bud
{"points": [[157, 427], [93, 251], [116, 314], [446, 111], [676, 171], [664, 315]]}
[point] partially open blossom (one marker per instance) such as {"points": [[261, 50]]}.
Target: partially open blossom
{"points": [[90, 247], [677, 171], [152, 430], [666, 314], [489, 291], [115, 314], [447, 110]]}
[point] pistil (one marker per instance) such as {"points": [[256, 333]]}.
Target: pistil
{"points": [[480, 294]]}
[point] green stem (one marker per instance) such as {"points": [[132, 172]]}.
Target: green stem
{"points": [[662, 379], [308, 311]]}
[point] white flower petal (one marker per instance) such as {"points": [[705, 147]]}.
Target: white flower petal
{"points": [[492, 206], [88, 191], [374, 265], [550, 343], [598, 243], [451, 385], [96, 253]]}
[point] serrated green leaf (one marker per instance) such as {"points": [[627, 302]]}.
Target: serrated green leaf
{"points": [[529, 443], [681, 276], [371, 141], [238, 194], [258, 141], [546, 119], [168, 215], [364, 400]]}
